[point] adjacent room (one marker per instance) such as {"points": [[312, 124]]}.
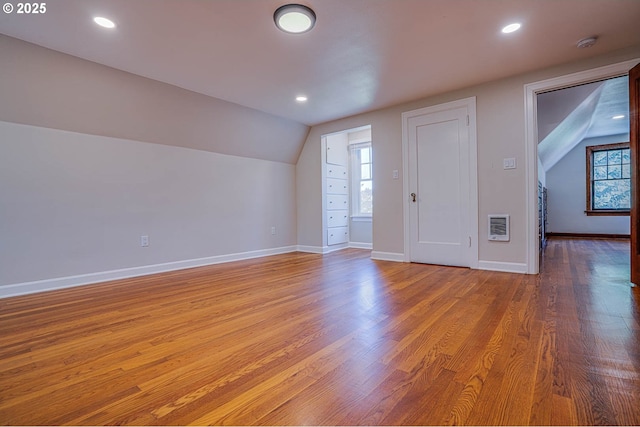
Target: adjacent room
{"points": [[593, 115], [333, 212]]}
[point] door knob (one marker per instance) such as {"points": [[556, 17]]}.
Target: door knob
{"points": [[413, 197]]}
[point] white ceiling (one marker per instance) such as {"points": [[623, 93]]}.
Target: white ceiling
{"points": [[362, 54]]}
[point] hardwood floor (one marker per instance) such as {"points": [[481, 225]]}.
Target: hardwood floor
{"points": [[332, 340]]}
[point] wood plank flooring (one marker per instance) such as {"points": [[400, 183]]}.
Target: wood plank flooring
{"points": [[332, 340]]}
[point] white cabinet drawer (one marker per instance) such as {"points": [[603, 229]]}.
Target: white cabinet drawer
{"points": [[337, 218], [337, 153], [337, 201], [337, 186], [335, 171], [337, 235]]}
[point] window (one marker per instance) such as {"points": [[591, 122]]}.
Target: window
{"points": [[608, 179], [362, 180]]}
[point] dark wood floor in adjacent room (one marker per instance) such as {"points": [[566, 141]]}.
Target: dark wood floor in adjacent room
{"points": [[332, 340]]}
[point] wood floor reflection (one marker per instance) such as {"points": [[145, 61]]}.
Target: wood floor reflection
{"points": [[332, 340]]}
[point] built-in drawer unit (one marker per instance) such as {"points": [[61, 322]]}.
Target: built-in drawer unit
{"points": [[337, 201], [336, 189], [337, 186], [338, 218], [337, 235], [335, 171]]}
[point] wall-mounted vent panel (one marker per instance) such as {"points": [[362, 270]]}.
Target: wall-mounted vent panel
{"points": [[499, 228]]}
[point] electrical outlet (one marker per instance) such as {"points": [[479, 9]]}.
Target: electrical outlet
{"points": [[273, 230], [144, 241]]}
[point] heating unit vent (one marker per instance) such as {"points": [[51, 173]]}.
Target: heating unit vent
{"points": [[499, 228]]}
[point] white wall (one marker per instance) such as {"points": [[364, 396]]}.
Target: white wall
{"points": [[501, 134], [566, 182], [91, 158], [75, 204], [360, 232]]}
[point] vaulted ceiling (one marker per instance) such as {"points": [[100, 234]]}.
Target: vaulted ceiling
{"points": [[362, 54], [568, 116]]}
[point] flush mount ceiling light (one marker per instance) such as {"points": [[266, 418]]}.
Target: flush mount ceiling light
{"points": [[301, 98], [588, 42], [511, 28], [294, 18], [104, 22], [618, 117]]}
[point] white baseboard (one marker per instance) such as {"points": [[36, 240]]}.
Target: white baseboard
{"points": [[91, 278], [104, 276], [334, 248], [321, 249], [310, 249], [387, 256], [508, 267], [360, 245]]}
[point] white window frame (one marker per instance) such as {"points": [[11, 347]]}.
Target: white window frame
{"points": [[355, 168]]}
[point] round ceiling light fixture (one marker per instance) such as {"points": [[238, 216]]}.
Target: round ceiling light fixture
{"points": [[511, 28], [104, 22], [294, 18], [301, 98], [588, 42], [618, 117]]}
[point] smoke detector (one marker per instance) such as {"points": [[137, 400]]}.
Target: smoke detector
{"points": [[588, 42]]}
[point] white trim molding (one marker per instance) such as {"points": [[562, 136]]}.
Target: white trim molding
{"points": [[531, 90], [310, 249], [360, 245], [387, 256], [125, 273], [322, 249], [507, 267], [334, 248]]}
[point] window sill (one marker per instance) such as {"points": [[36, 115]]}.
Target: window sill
{"points": [[604, 212], [361, 218]]}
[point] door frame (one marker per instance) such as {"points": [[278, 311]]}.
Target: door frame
{"points": [[634, 145], [470, 104], [531, 90]]}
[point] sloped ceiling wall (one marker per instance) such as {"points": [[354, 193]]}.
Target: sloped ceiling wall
{"points": [[50, 89], [555, 106], [567, 116]]}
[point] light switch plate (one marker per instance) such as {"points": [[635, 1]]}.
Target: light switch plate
{"points": [[509, 163]]}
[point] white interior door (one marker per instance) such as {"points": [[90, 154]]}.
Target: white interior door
{"points": [[439, 186]]}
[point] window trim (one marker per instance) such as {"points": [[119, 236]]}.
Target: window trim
{"points": [[355, 180], [590, 150]]}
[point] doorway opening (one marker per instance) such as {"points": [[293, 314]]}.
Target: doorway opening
{"points": [[535, 173], [584, 160]]}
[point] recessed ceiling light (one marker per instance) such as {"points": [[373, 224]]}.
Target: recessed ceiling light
{"points": [[588, 42], [618, 117], [294, 18], [301, 98], [104, 22], [511, 28]]}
